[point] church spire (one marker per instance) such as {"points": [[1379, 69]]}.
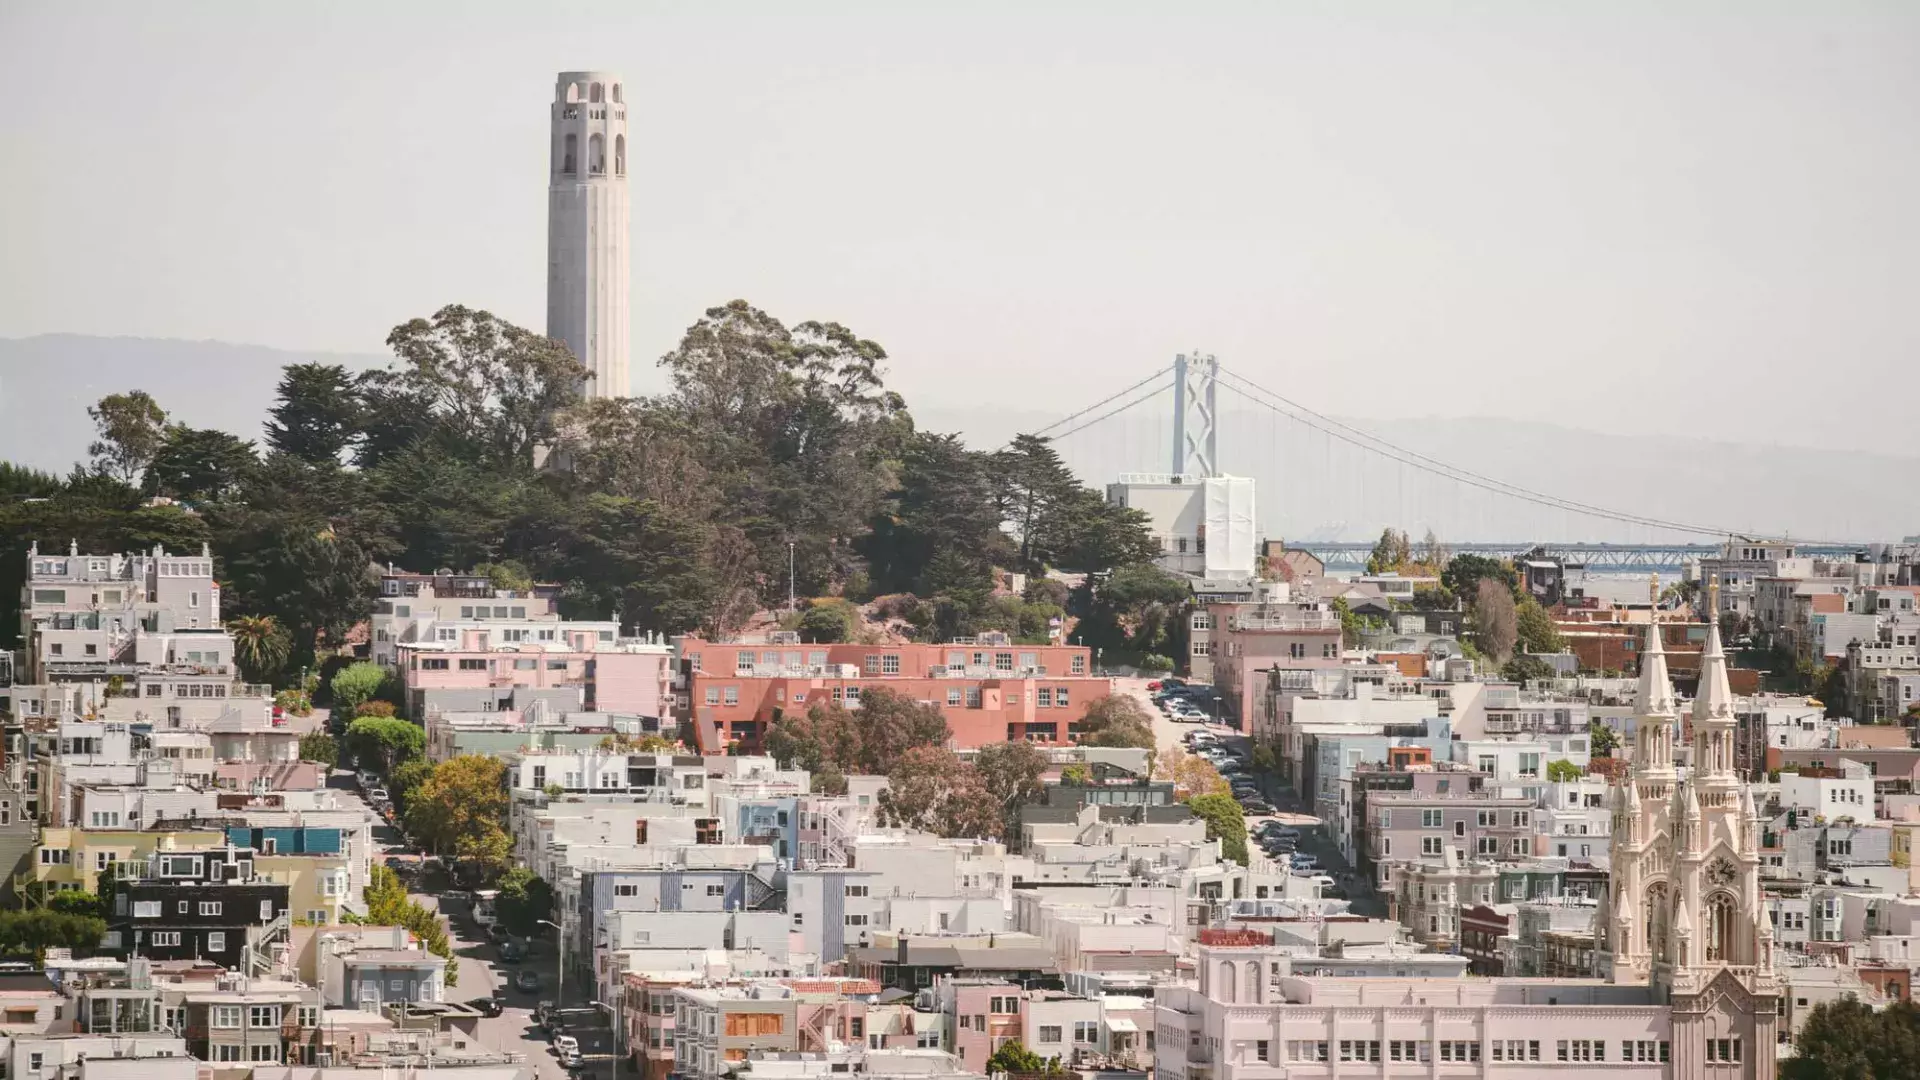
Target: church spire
{"points": [[1715, 700]]}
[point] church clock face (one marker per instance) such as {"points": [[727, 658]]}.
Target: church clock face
{"points": [[1722, 871]]}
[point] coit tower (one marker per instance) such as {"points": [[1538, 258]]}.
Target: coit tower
{"points": [[587, 227]]}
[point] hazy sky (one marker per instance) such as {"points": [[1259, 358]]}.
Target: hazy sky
{"points": [[1659, 215]]}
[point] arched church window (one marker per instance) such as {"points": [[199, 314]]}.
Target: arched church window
{"points": [[596, 154], [569, 160], [619, 155], [1655, 914], [1721, 920], [599, 92]]}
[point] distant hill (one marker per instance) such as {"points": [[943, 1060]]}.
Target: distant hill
{"points": [[47, 382], [1308, 487]]}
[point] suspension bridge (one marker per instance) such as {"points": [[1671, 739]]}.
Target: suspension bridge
{"points": [[1329, 486]]}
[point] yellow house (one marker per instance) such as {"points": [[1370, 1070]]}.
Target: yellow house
{"points": [[72, 858], [317, 885], [1904, 836]]}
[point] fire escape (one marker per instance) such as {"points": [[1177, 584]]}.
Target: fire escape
{"points": [[269, 946]]}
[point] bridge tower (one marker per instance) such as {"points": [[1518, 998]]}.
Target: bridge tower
{"points": [[1195, 450]]}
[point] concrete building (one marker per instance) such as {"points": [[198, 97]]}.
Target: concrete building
{"points": [[1206, 525], [415, 615], [588, 261], [468, 664]]}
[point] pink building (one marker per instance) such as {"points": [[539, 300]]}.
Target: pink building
{"points": [[980, 1017], [469, 667], [1246, 644], [989, 690]]}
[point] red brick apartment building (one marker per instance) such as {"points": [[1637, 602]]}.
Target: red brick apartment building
{"points": [[989, 689]]}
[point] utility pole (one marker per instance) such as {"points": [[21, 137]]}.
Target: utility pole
{"points": [[793, 600]]}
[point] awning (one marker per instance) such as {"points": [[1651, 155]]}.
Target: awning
{"points": [[1120, 1025]]}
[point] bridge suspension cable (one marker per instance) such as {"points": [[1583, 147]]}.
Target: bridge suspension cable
{"points": [[1115, 411], [1111, 397], [1326, 425]]}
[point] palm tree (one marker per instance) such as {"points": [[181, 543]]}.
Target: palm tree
{"points": [[260, 645]]}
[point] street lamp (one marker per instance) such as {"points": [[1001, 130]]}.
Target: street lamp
{"points": [[560, 946], [615, 1022]]}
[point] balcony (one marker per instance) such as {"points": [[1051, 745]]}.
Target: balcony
{"points": [[1295, 620]]}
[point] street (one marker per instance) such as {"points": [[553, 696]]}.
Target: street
{"points": [[480, 973], [1313, 838]]}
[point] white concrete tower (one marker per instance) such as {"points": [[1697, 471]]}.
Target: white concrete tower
{"points": [[587, 223]]}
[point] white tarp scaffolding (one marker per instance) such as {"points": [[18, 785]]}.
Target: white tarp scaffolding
{"points": [[1231, 526]]}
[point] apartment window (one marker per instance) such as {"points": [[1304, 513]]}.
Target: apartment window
{"points": [[953, 696], [1521, 846], [1406, 1050], [973, 697], [472, 664], [1044, 697], [217, 941], [225, 1016], [1460, 827], [1088, 1031], [716, 890], [209, 907], [1298, 651], [857, 890], [146, 909], [1529, 765], [1262, 1050], [1522, 819], [1049, 1033], [1489, 845], [1454, 1050], [1078, 666], [434, 663], [1581, 1049], [1306, 1050], [626, 890], [1430, 819], [1003, 661], [263, 1016], [1723, 1051], [1386, 846], [1485, 818], [1430, 845], [165, 937], [856, 920], [1329, 651], [730, 695], [1359, 1050], [713, 695]]}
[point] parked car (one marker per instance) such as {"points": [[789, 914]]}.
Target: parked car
{"points": [[566, 1045], [377, 795], [1305, 862], [498, 934], [512, 952], [526, 981], [488, 1006], [1256, 806]]}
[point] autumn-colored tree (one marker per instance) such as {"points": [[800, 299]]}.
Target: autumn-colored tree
{"points": [[1191, 775], [1116, 720], [459, 811]]}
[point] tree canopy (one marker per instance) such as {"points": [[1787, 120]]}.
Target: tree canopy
{"points": [[669, 513], [1850, 1040]]}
